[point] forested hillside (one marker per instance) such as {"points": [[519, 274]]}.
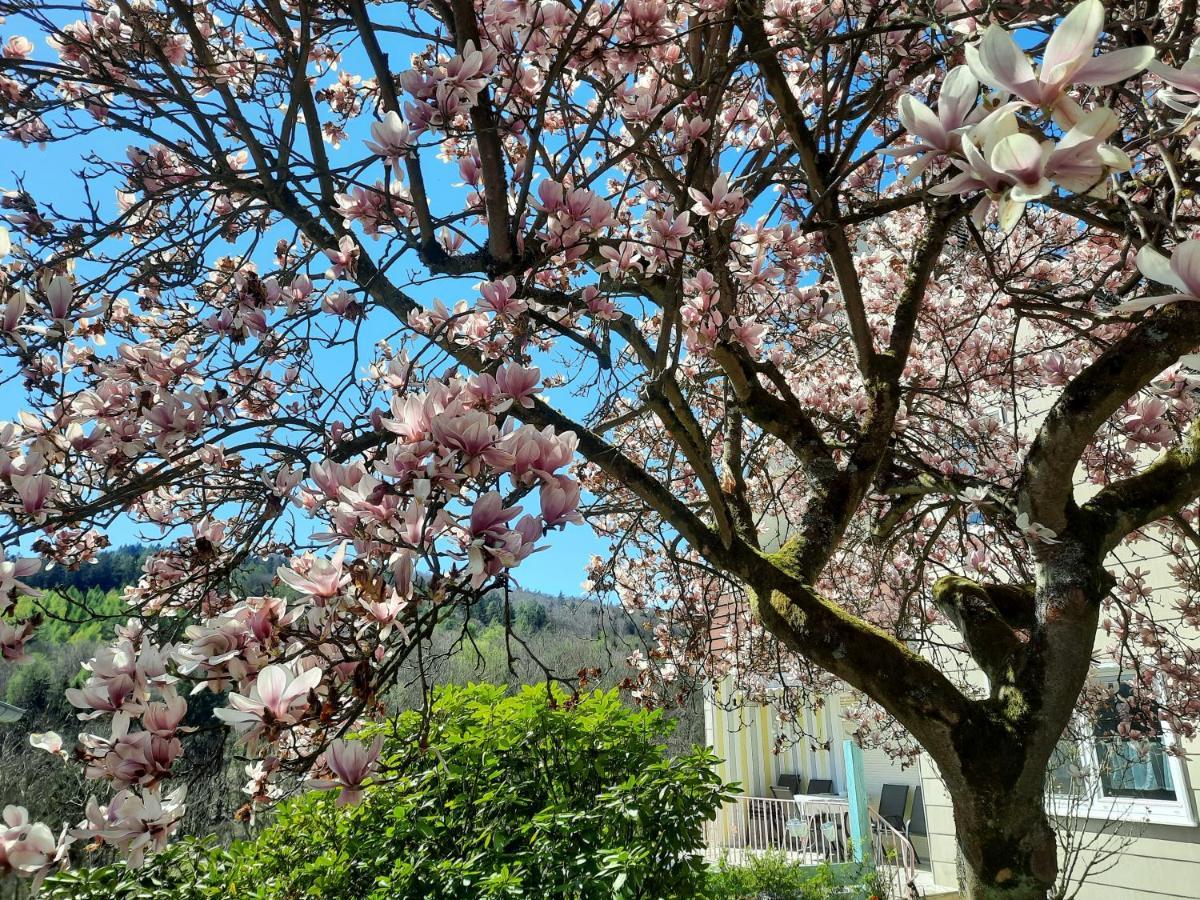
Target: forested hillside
{"points": [[547, 636]]}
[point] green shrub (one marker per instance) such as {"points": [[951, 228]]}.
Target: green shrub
{"points": [[532, 795], [772, 876], [32, 684], [189, 869]]}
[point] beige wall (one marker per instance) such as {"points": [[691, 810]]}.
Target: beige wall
{"points": [[1139, 860], [1153, 860]]}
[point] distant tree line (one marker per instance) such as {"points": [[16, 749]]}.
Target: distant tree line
{"points": [[112, 570]]}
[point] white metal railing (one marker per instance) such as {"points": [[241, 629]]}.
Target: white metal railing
{"points": [[893, 855], [809, 830], [812, 831]]}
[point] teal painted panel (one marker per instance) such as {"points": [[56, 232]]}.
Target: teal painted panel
{"points": [[856, 791]]}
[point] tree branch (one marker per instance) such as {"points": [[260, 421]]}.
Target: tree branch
{"points": [[1046, 484], [1167, 484], [750, 14], [487, 138], [391, 103]]}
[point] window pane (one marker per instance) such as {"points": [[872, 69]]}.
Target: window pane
{"points": [[1129, 748], [1134, 768]]}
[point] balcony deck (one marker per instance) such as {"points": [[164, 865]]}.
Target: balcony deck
{"points": [[813, 830]]}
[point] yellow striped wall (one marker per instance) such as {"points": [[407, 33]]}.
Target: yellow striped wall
{"points": [[743, 738]]}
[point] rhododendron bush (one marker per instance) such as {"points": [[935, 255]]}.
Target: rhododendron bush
{"points": [[852, 326], [536, 793]]}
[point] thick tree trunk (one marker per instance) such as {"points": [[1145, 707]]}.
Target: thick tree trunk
{"points": [[997, 764], [1033, 644], [1007, 849]]}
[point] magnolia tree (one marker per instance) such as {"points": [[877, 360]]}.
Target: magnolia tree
{"points": [[875, 316]]}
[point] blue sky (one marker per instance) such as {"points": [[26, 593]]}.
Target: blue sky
{"points": [[47, 175]]}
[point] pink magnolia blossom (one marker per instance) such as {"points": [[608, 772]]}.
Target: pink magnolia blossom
{"points": [[1181, 271], [344, 258], [219, 649], [668, 231], [535, 454], [1058, 368], [50, 741], [560, 502], [1021, 161], [749, 333], [991, 151], [484, 393], [29, 849], [500, 297], [474, 434], [507, 549], [322, 579], [1144, 423], [467, 68], [1001, 63], [14, 309], [1185, 96], [573, 212], [34, 492], [492, 545], [13, 638], [261, 785], [936, 134], [620, 259], [1035, 531], [392, 139], [351, 763], [133, 758], [114, 696], [386, 611], [277, 697], [724, 202], [17, 47], [1081, 160], [134, 822], [59, 296], [331, 477], [162, 718], [1016, 168], [519, 383], [490, 516]]}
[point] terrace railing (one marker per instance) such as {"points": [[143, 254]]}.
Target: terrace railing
{"points": [[810, 830]]}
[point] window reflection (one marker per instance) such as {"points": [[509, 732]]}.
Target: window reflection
{"points": [[1130, 758], [1120, 754]]}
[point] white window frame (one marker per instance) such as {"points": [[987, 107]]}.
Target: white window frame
{"points": [[1094, 805]]}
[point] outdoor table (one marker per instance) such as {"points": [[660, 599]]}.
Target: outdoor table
{"points": [[822, 809]]}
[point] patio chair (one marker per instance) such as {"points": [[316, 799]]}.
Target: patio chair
{"points": [[893, 801], [779, 792], [793, 782], [764, 823], [820, 786]]}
